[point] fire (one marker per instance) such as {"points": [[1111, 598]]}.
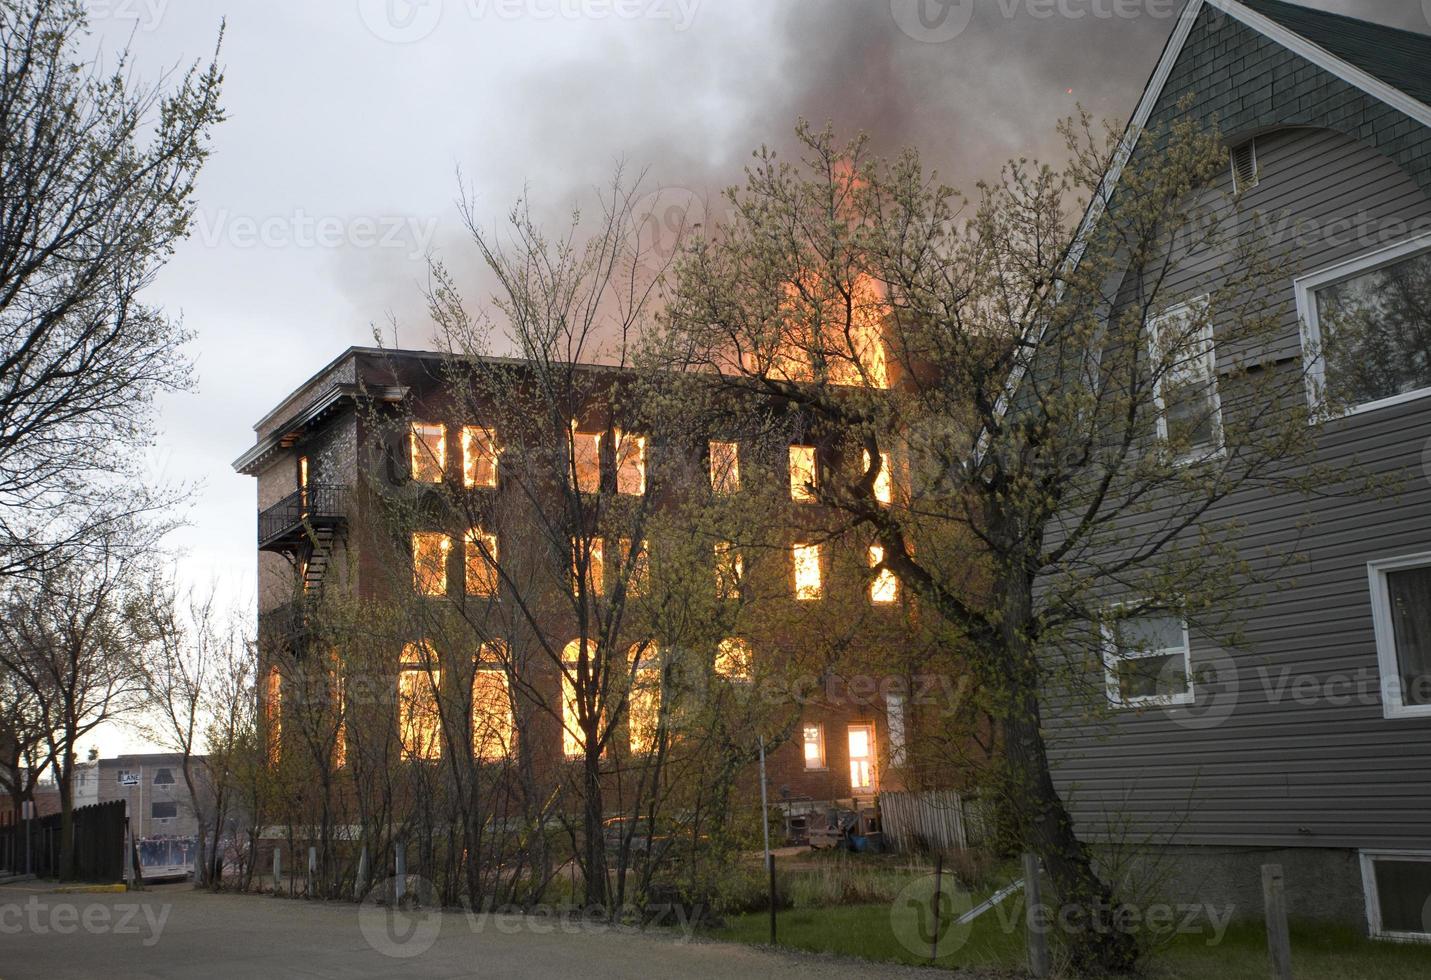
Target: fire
{"points": [[838, 325]]}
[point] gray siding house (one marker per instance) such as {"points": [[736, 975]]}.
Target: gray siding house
{"points": [[1310, 744]]}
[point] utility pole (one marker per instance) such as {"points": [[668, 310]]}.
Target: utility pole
{"points": [[765, 826]]}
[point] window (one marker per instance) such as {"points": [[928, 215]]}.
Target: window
{"points": [[806, 561], [725, 467], [643, 705], [861, 739], [884, 482], [586, 460], [884, 589], [273, 711], [429, 562], [163, 811], [813, 735], [1401, 617], [427, 444], [573, 736], [479, 456], [481, 563], [588, 552], [630, 464], [802, 473], [733, 659], [419, 719], [1146, 661], [303, 483], [1185, 390], [729, 570], [491, 714], [638, 572], [1365, 328], [1245, 174], [340, 709], [1397, 886], [163, 777]]}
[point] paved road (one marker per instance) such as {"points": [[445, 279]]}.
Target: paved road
{"points": [[175, 931]]}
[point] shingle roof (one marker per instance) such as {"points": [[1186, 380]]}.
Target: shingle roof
{"points": [[1399, 58]]}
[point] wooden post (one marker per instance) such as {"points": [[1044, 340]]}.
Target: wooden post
{"points": [[1040, 963], [938, 882], [360, 883], [1274, 904], [312, 869], [277, 869], [770, 860], [400, 880]]}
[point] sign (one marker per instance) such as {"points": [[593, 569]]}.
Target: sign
{"points": [[127, 778]]}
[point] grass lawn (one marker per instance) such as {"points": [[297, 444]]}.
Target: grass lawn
{"points": [[888, 932]]}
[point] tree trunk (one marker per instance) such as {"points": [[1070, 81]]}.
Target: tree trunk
{"points": [[1096, 945], [592, 809], [67, 817]]}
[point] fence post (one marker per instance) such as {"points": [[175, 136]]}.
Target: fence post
{"points": [[360, 884], [1274, 904], [938, 894], [312, 870], [1040, 964], [400, 881], [770, 859], [277, 869]]}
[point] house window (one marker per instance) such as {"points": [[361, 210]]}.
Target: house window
{"points": [[481, 563], [273, 712], [884, 589], [419, 718], [806, 561], [725, 467], [1397, 886], [164, 811], [427, 445], [491, 714], [638, 571], [163, 777], [587, 552], [573, 736], [862, 773], [813, 735], [1365, 328], [643, 705], [884, 482], [586, 460], [630, 464], [1185, 390], [733, 659], [429, 562], [1401, 616], [479, 456], [803, 473], [729, 570], [1146, 661]]}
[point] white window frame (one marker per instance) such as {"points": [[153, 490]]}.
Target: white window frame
{"points": [[1373, 900], [1219, 444], [1387, 663], [1112, 657], [1305, 288]]}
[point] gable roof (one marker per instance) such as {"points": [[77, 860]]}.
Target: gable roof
{"points": [[1401, 59]]}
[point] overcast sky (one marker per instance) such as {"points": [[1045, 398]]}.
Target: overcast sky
{"points": [[349, 119]]}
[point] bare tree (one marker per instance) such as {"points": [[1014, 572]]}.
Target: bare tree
{"points": [[1064, 414], [96, 188]]}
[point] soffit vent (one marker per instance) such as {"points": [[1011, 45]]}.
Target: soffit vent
{"points": [[1244, 167]]}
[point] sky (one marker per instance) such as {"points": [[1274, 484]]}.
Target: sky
{"points": [[353, 124]]}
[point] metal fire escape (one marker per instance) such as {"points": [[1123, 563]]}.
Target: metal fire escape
{"points": [[303, 527]]}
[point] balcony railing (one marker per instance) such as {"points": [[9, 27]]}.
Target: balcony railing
{"points": [[286, 522]]}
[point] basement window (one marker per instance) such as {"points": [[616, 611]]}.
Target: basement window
{"points": [[427, 444], [729, 570], [803, 474], [479, 456], [1245, 174], [725, 467], [813, 736], [419, 718], [1397, 887], [805, 560], [481, 563], [429, 562]]}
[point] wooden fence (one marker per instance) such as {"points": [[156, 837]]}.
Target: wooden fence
{"points": [[933, 820], [99, 836]]}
